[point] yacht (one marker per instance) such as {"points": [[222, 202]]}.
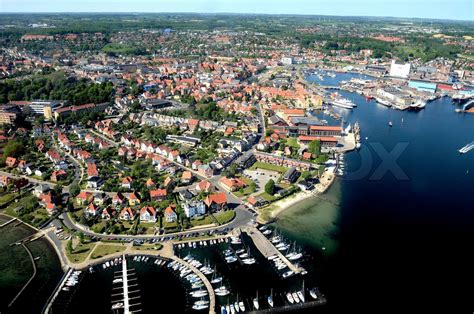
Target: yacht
{"points": [[383, 102], [300, 296], [466, 148], [343, 103], [118, 305], [289, 297], [313, 293], [199, 307], [256, 305], [242, 306], [418, 105], [198, 293], [270, 299], [295, 297]]}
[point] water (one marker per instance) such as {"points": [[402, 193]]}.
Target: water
{"points": [[159, 289], [16, 269], [400, 243]]}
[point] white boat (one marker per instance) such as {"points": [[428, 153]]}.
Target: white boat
{"points": [[216, 280], [289, 297], [227, 308], [242, 306], [236, 306], [256, 305], [418, 104], [295, 256], [288, 274], [117, 280], [232, 309], [313, 293], [390, 124], [466, 148], [222, 293], [118, 305], [199, 307], [198, 293], [300, 295], [266, 232], [343, 103], [270, 299], [383, 102], [295, 297], [249, 261]]}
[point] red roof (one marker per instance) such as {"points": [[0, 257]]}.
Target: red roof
{"points": [[218, 198], [308, 138], [325, 128], [158, 193]]}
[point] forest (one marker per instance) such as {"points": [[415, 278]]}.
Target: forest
{"points": [[55, 86]]}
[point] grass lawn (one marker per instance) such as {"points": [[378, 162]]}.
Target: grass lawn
{"points": [[200, 221], [80, 253], [7, 197], [292, 142], [148, 247], [267, 197], [225, 216], [99, 227], [105, 249], [265, 166]]}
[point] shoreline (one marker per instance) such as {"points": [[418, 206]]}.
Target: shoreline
{"points": [[277, 208]]}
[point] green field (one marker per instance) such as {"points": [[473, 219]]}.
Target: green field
{"points": [[104, 249], [225, 216], [265, 166], [80, 252]]}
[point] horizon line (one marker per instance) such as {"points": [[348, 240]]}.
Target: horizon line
{"points": [[240, 13]]}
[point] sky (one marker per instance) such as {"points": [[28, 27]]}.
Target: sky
{"points": [[440, 9]]}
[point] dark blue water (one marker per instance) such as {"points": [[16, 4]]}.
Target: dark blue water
{"points": [[405, 240]]}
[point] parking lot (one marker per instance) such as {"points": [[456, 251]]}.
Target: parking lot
{"points": [[261, 177]]}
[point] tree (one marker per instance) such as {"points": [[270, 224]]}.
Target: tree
{"points": [[75, 189], [314, 147], [269, 132], [69, 246], [81, 237], [58, 190], [270, 187]]}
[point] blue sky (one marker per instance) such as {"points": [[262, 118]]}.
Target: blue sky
{"points": [[444, 9]]}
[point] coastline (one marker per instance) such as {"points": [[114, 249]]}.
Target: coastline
{"points": [[275, 209]]}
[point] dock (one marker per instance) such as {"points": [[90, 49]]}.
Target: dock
{"points": [[207, 283], [267, 248], [125, 296]]}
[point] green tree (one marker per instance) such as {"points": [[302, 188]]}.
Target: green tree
{"points": [[69, 246], [314, 147], [270, 187], [75, 189]]}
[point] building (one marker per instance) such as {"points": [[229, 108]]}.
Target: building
{"points": [[44, 107], [170, 214], [400, 70], [290, 176], [423, 86], [287, 60], [232, 184], [194, 208], [325, 130], [147, 214], [9, 113]]}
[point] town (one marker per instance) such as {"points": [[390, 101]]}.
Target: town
{"points": [[152, 138]]}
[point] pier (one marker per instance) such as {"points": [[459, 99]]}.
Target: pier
{"points": [[292, 307], [124, 299], [267, 248], [210, 290]]}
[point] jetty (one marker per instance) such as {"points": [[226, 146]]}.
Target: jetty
{"points": [[267, 248], [7, 222], [205, 280], [125, 300]]}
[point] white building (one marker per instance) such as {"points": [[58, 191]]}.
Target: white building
{"points": [[195, 208], [400, 70], [287, 60]]}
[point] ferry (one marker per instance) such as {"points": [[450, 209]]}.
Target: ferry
{"points": [[383, 102], [343, 103], [418, 105], [466, 148]]}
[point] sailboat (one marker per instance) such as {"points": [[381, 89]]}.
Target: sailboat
{"points": [[301, 293], [390, 124], [215, 278], [270, 298], [256, 305]]}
